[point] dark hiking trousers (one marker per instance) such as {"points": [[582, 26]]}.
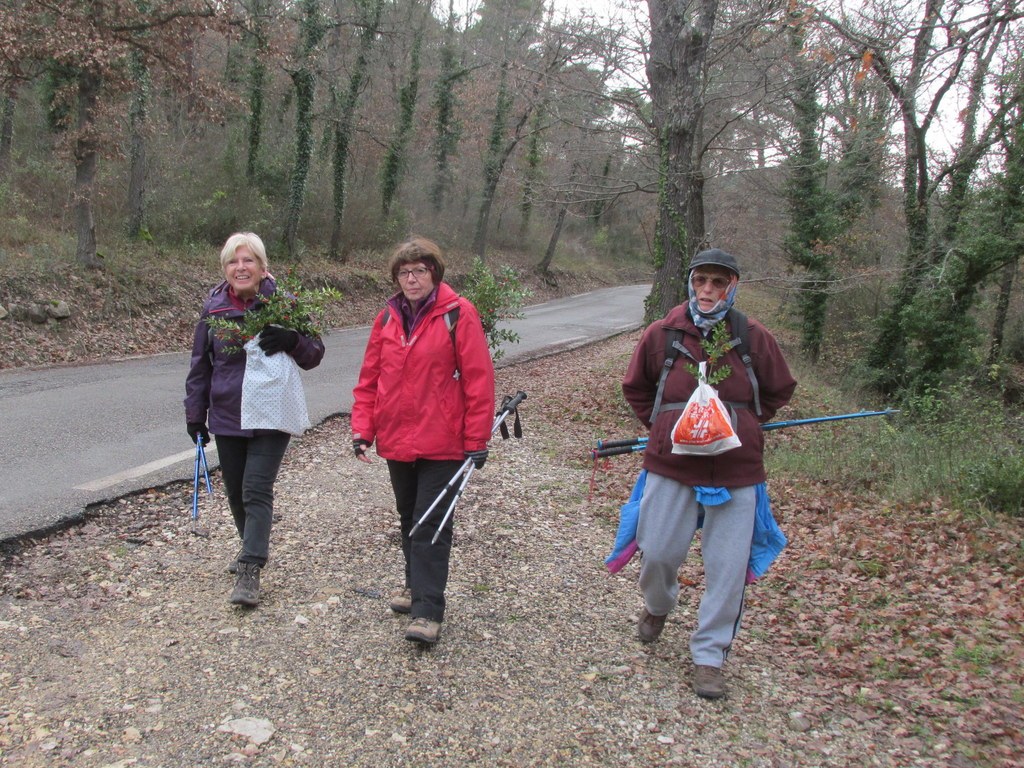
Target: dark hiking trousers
{"points": [[416, 484], [249, 466]]}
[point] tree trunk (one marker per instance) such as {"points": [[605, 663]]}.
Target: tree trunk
{"points": [[395, 160], [304, 94], [86, 163], [680, 39], [446, 123], [347, 120], [1006, 281], [137, 114], [7, 104], [549, 254]]}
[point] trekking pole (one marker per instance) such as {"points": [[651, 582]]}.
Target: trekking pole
{"points": [[617, 447], [617, 450], [206, 467], [797, 422], [603, 444], [200, 462], [508, 405]]}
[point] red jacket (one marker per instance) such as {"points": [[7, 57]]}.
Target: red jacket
{"points": [[737, 467], [408, 398]]}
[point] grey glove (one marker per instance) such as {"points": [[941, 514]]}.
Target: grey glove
{"points": [[479, 458]]}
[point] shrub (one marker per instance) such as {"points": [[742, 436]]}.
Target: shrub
{"points": [[495, 298]]}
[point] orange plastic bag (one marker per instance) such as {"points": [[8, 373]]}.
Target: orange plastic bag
{"points": [[704, 429]]}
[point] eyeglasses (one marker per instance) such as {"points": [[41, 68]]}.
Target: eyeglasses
{"points": [[418, 272], [721, 283]]}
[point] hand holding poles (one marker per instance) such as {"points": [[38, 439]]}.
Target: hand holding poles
{"points": [[200, 462], [509, 405]]}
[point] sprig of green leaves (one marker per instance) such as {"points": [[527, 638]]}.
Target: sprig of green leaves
{"points": [[715, 346], [291, 306]]}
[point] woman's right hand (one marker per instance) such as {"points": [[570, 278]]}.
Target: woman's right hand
{"points": [[360, 448]]}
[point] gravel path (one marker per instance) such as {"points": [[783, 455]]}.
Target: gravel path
{"points": [[118, 646]]}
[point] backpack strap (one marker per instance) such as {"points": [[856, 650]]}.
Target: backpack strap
{"points": [[451, 318], [673, 346], [738, 323]]}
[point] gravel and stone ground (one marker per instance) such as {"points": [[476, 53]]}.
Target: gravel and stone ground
{"points": [[118, 646]]}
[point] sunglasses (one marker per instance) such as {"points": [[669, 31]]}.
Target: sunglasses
{"points": [[719, 282]]}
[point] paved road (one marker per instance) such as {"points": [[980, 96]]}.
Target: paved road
{"points": [[80, 435]]}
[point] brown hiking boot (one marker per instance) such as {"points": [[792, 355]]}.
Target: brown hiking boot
{"points": [[401, 602], [423, 630], [247, 585], [649, 627], [708, 682]]}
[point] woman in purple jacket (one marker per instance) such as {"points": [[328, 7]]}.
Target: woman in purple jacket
{"points": [[249, 459]]}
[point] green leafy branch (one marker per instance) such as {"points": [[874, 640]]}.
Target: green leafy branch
{"points": [[290, 306], [715, 346], [496, 298]]}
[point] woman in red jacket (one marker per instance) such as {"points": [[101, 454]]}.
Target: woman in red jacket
{"points": [[426, 397]]}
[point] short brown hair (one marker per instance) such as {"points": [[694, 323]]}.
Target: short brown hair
{"points": [[418, 249]]}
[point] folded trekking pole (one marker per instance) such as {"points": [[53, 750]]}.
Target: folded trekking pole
{"points": [[200, 461], [509, 405]]}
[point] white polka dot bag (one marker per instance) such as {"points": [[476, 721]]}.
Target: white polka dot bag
{"points": [[272, 394]]}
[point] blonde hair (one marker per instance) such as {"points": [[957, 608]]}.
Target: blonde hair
{"points": [[239, 239]]}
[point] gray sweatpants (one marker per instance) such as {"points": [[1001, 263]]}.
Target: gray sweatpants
{"points": [[668, 521]]}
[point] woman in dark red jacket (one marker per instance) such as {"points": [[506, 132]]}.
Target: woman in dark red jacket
{"points": [[249, 459], [426, 397]]}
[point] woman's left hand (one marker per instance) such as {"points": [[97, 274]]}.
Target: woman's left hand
{"points": [[274, 339]]}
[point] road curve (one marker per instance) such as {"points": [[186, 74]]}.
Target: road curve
{"points": [[74, 436]]}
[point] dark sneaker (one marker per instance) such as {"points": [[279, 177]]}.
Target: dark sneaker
{"points": [[233, 565], [401, 602], [649, 627], [708, 682], [423, 630], [247, 585]]}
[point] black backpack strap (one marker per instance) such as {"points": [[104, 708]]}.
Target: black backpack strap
{"points": [[739, 342], [673, 346], [451, 319]]}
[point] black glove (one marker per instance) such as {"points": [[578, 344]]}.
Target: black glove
{"points": [[199, 427], [360, 447], [274, 339], [478, 457]]}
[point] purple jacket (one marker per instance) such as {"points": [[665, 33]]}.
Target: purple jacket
{"points": [[213, 387]]}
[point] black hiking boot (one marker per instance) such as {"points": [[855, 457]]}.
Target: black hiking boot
{"points": [[247, 585]]}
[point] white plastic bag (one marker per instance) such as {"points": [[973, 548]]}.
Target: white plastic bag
{"points": [[704, 429], [272, 394]]}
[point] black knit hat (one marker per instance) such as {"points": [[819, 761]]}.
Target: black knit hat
{"points": [[718, 257]]}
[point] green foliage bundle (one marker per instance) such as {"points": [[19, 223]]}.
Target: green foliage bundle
{"points": [[715, 346], [496, 298], [291, 306]]}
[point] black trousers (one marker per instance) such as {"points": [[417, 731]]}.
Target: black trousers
{"points": [[249, 466], [416, 484]]}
